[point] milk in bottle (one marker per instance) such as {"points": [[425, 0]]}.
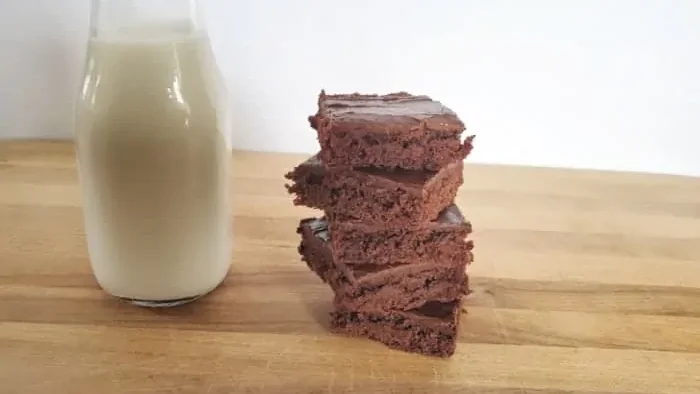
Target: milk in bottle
{"points": [[153, 155]]}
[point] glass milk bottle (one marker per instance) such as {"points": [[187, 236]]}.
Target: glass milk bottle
{"points": [[153, 153]]}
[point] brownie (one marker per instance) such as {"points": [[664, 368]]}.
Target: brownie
{"points": [[444, 239], [430, 330], [376, 288], [397, 130], [392, 198]]}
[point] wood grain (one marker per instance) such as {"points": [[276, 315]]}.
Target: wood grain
{"points": [[585, 282]]}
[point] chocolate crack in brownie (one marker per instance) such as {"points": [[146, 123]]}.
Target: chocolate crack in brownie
{"points": [[397, 198], [375, 288], [397, 130], [430, 330]]}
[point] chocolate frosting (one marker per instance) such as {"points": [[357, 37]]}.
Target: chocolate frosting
{"points": [[369, 106], [451, 215], [319, 228], [408, 177], [437, 309]]}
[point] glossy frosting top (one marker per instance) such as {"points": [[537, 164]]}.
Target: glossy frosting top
{"points": [[394, 104], [394, 108]]}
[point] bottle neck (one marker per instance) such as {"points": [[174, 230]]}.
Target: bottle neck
{"points": [[118, 18]]}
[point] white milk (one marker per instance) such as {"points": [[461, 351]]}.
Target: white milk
{"points": [[154, 165]]}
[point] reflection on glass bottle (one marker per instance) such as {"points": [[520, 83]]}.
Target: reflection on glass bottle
{"points": [[153, 153]]}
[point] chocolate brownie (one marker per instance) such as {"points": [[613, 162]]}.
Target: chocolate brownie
{"points": [[398, 198], [429, 330], [397, 130], [444, 239], [375, 288]]}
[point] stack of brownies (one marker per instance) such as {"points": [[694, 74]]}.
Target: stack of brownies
{"points": [[391, 244]]}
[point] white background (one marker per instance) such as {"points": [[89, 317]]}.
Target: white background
{"points": [[611, 84]]}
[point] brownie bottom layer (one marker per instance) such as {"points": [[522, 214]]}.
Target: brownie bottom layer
{"points": [[380, 288], [429, 153], [444, 239], [354, 201], [407, 288], [392, 199], [410, 332]]}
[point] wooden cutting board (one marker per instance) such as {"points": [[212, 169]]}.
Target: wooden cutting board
{"points": [[585, 282]]}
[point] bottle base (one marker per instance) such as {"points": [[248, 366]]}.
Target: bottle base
{"points": [[160, 304]]}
